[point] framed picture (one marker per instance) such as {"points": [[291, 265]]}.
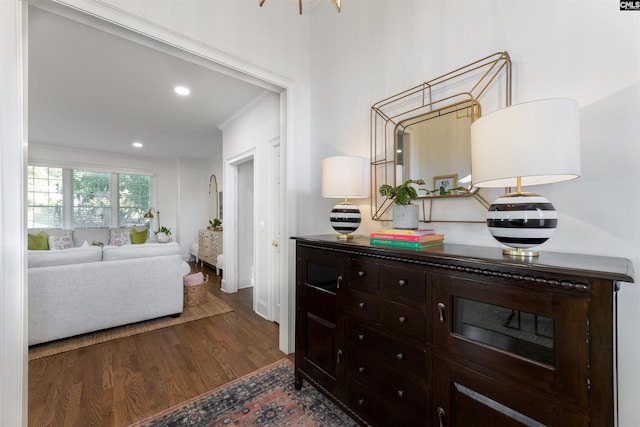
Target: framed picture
{"points": [[445, 183]]}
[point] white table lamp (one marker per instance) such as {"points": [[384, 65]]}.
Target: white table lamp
{"points": [[532, 143], [345, 177]]}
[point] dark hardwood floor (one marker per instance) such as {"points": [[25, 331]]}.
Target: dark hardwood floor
{"points": [[123, 381]]}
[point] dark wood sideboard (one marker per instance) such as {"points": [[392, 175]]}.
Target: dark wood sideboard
{"points": [[458, 335]]}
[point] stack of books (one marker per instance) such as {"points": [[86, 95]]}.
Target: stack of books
{"points": [[412, 239]]}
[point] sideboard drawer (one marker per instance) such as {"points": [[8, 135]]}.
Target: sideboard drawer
{"points": [[396, 389], [379, 411], [404, 285], [405, 320], [364, 275], [396, 353], [364, 306]]}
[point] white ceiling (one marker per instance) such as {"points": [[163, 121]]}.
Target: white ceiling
{"points": [[96, 90]]}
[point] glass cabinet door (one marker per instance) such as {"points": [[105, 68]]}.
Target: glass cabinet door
{"points": [[519, 332], [516, 331], [319, 329]]}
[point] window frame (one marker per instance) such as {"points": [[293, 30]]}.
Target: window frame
{"points": [[67, 197]]}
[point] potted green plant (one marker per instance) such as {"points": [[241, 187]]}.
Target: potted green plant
{"points": [[162, 234], [405, 214], [215, 224]]}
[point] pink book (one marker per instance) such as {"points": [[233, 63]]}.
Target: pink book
{"points": [[405, 238]]}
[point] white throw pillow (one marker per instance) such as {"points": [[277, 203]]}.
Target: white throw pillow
{"points": [[119, 238], [59, 242]]}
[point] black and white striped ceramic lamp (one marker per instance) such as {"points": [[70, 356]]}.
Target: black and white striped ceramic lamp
{"points": [[533, 143], [345, 177], [521, 221]]}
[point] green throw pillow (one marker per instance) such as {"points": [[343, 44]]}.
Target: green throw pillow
{"points": [[138, 237], [38, 242]]}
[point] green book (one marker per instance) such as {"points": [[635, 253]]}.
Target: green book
{"points": [[404, 244]]}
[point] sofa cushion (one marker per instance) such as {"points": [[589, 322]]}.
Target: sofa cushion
{"points": [[38, 242], [82, 255], [91, 235], [112, 253]]}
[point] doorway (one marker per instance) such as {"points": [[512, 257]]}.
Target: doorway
{"points": [[14, 309], [148, 34]]}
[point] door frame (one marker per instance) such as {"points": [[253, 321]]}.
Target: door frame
{"points": [[230, 278]]}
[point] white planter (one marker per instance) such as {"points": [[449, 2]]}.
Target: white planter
{"points": [[162, 237], [406, 217]]}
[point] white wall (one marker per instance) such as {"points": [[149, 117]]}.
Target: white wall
{"points": [[587, 50], [192, 202], [13, 265]]}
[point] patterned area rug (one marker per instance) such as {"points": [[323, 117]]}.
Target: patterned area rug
{"points": [[213, 307], [264, 398]]}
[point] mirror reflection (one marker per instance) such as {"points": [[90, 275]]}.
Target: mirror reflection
{"points": [[436, 147]]}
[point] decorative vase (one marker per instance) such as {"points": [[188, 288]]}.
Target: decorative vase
{"points": [[522, 221], [345, 218], [406, 217], [162, 237]]}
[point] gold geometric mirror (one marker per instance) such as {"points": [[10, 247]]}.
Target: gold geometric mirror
{"points": [[424, 133]]}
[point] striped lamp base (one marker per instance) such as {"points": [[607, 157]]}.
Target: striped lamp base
{"points": [[522, 221], [345, 219]]}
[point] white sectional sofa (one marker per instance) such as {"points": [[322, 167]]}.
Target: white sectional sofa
{"points": [[89, 288]]}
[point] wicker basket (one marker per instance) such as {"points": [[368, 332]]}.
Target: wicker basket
{"points": [[196, 294]]}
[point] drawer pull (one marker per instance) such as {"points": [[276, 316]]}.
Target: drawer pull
{"points": [[402, 319], [338, 282], [362, 304], [440, 413], [360, 337], [339, 356], [361, 401], [402, 282], [361, 273], [441, 308], [400, 393], [361, 369], [400, 356]]}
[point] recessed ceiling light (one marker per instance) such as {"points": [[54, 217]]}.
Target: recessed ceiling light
{"points": [[137, 144], [182, 90]]}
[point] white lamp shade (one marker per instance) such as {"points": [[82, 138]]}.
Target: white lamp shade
{"points": [[346, 176], [538, 141]]}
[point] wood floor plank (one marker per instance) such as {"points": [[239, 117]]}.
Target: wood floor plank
{"points": [[122, 381]]}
